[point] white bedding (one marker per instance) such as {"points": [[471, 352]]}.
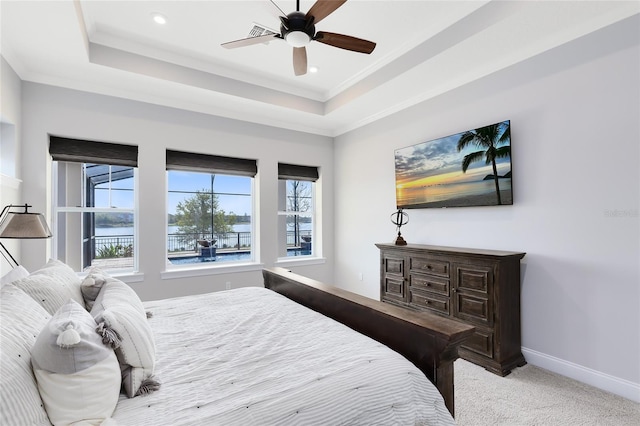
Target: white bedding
{"points": [[253, 357]]}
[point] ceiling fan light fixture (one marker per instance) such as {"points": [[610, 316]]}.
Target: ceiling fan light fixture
{"points": [[297, 39]]}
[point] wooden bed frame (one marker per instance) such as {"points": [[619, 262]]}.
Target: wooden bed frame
{"points": [[428, 340]]}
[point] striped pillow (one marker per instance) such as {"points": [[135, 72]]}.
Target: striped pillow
{"points": [[15, 274], [123, 324], [21, 320], [52, 286]]}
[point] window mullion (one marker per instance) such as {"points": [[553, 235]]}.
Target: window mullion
{"points": [[109, 189], [94, 210]]}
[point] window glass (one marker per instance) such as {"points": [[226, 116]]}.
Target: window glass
{"points": [[296, 217], [95, 215], [209, 218]]}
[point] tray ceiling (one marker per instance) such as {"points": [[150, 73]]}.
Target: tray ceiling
{"points": [[424, 48]]}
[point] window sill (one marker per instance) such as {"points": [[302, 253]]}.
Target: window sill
{"points": [[301, 261], [126, 276], [129, 277], [199, 271]]}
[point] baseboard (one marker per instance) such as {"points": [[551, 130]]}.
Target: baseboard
{"points": [[615, 385]]}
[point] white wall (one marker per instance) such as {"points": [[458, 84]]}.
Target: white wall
{"points": [[10, 116], [575, 118], [50, 110]]}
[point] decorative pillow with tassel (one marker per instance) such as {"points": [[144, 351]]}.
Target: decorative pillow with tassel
{"points": [[91, 286], [122, 323], [78, 376]]}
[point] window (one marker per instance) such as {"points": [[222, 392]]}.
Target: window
{"points": [[296, 210], [210, 209], [7, 149], [94, 204]]}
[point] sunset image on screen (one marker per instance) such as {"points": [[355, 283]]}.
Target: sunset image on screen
{"points": [[471, 168]]}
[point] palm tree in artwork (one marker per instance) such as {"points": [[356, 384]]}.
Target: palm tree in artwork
{"points": [[491, 140]]}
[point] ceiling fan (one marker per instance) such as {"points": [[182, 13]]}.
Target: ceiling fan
{"points": [[298, 30]]}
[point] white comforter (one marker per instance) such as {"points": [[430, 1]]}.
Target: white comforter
{"points": [[253, 357]]}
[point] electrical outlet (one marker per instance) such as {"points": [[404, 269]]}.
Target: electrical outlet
{"points": [[360, 277], [227, 285]]}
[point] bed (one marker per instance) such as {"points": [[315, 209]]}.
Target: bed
{"points": [[285, 353]]}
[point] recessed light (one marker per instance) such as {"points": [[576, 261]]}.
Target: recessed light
{"points": [[159, 18], [313, 69]]}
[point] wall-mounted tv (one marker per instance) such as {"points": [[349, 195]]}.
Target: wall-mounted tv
{"points": [[471, 168]]}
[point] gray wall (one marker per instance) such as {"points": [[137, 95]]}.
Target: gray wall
{"points": [[69, 113], [10, 173], [575, 125]]}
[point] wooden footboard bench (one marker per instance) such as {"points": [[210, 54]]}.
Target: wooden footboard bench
{"points": [[427, 340]]}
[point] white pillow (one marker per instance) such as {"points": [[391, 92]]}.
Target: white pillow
{"points": [[52, 286], [123, 323], [21, 319], [15, 274], [78, 376]]}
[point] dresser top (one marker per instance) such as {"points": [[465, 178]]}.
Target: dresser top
{"points": [[451, 250]]}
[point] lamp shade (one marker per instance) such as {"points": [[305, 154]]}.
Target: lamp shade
{"points": [[24, 225]]}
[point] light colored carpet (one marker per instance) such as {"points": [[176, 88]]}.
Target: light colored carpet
{"points": [[536, 397]]}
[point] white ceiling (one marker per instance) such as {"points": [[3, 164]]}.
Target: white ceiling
{"points": [[424, 48]]}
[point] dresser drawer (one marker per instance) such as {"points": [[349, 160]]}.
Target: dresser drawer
{"points": [[476, 278], [392, 265], [475, 310], [394, 288], [429, 266], [430, 283], [480, 342], [429, 301]]}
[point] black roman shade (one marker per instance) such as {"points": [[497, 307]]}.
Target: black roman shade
{"points": [[294, 172], [83, 151], [179, 160]]}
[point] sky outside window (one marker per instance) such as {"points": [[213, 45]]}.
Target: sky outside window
{"points": [[227, 188], [234, 192]]}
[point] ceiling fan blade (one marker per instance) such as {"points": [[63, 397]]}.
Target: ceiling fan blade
{"points": [[345, 42], [299, 60], [323, 8], [249, 41]]}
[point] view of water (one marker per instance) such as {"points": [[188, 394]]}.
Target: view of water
{"points": [[128, 230], [430, 194], [227, 257]]}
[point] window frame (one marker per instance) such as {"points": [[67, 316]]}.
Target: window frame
{"points": [[290, 172], [57, 210], [189, 162]]}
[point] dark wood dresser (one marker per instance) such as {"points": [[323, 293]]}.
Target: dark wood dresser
{"points": [[478, 287]]}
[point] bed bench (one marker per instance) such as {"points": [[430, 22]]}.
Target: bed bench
{"points": [[429, 341]]}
